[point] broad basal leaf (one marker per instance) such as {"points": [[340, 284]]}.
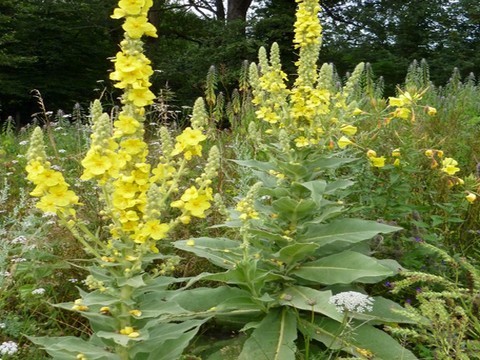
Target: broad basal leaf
{"points": [[305, 298], [364, 339], [68, 347], [347, 230], [343, 268], [222, 252], [273, 339]]}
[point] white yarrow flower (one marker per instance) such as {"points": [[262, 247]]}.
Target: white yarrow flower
{"points": [[352, 301], [8, 348], [39, 291]]}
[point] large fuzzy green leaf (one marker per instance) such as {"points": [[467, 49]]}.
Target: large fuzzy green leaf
{"points": [[165, 341], [296, 252], [222, 252], [356, 341], [343, 268], [305, 298], [273, 339], [346, 230], [68, 347]]}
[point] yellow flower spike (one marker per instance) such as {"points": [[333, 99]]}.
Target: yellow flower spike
{"points": [[343, 142], [349, 130], [471, 197]]}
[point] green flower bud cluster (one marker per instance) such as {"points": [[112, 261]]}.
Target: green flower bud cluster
{"points": [[199, 116], [36, 151]]}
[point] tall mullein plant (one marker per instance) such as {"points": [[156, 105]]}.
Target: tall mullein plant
{"points": [[296, 253], [142, 204]]}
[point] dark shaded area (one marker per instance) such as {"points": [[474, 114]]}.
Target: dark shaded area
{"points": [[62, 48]]}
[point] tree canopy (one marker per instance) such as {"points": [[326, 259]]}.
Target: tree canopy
{"points": [[62, 48]]}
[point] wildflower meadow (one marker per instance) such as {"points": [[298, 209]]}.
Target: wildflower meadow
{"points": [[325, 221]]}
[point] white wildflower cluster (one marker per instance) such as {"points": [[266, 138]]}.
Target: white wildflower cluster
{"points": [[352, 301], [16, 259], [8, 348], [39, 291], [19, 240]]}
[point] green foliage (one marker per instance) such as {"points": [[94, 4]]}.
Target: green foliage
{"points": [[448, 302]]}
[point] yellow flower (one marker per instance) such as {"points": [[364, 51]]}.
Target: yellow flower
{"points": [[61, 196], [141, 97], [127, 125], [136, 27], [135, 313], [396, 153], [133, 146], [396, 162], [371, 153], [191, 137], [49, 178], [127, 330], [47, 205], [188, 143], [155, 229], [450, 166], [377, 162], [393, 101], [95, 164], [301, 141], [343, 142], [197, 206], [357, 111], [131, 7], [431, 111], [349, 130], [471, 197], [429, 153], [402, 113], [105, 310]]}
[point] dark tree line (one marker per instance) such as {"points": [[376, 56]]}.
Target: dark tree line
{"points": [[61, 47]]}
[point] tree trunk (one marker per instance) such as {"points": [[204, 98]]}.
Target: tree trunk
{"points": [[220, 10], [237, 9]]}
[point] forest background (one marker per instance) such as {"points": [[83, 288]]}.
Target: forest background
{"points": [[61, 47]]}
